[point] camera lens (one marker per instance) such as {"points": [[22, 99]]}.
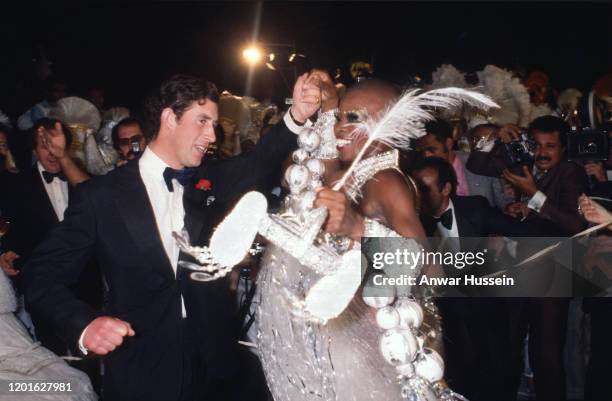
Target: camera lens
{"points": [[590, 147]]}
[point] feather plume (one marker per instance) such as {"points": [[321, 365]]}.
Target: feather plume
{"points": [[404, 120]]}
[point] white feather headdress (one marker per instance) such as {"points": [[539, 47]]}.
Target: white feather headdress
{"points": [[404, 120]]}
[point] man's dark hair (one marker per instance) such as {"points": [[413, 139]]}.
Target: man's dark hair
{"points": [[115, 131], [48, 123], [446, 172], [178, 93], [440, 129], [550, 124]]}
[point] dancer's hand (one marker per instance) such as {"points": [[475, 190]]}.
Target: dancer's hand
{"points": [[306, 98], [342, 218], [104, 334], [593, 212]]}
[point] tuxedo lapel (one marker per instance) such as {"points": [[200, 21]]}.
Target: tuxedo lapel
{"points": [[193, 202], [134, 205], [465, 227]]}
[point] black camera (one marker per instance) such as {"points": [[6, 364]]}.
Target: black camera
{"points": [[135, 148], [521, 151], [588, 144]]}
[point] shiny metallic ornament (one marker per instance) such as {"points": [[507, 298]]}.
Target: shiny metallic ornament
{"points": [[308, 140], [378, 296], [299, 156], [307, 200], [315, 183], [398, 346], [316, 167], [387, 318], [410, 313], [297, 177], [430, 365]]}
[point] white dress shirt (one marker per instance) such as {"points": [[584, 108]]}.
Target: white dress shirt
{"points": [[454, 230], [536, 202], [167, 206], [57, 191]]}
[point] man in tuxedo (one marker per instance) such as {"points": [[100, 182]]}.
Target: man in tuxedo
{"points": [[34, 201], [165, 337], [477, 347]]}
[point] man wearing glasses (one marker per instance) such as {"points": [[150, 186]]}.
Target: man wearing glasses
{"points": [[128, 139]]}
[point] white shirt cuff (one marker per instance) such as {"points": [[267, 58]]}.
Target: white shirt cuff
{"points": [[81, 346], [293, 127], [537, 201]]}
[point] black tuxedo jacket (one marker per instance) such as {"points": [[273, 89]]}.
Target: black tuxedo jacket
{"points": [[26, 204], [476, 218], [111, 218]]}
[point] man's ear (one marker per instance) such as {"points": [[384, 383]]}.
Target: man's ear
{"points": [[168, 119], [447, 189]]}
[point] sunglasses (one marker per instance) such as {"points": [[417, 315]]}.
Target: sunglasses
{"points": [[352, 116], [128, 141]]}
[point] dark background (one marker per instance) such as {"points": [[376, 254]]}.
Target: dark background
{"points": [[129, 48]]}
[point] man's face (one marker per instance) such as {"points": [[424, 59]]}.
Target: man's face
{"points": [[548, 152], [193, 132], [128, 134], [356, 106], [429, 146], [48, 161], [3, 144], [432, 198]]}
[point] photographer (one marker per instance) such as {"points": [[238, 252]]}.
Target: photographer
{"points": [[535, 164], [600, 171], [550, 185], [128, 139]]}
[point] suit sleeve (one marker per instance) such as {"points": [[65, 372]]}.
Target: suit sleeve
{"points": [[499, 223], [234, 176], [563, 210], [489, 163], [57, 263]]}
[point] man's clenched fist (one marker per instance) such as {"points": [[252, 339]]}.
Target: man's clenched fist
{"points": [[106, 333]]}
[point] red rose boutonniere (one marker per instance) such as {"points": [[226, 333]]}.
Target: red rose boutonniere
{"points": [[204, 185]]}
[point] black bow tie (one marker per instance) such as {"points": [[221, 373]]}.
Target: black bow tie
{"points": [[446, 219], [183, 176], [50, 176]]}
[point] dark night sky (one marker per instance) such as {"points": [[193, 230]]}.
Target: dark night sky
{"points": [[129, 48]]}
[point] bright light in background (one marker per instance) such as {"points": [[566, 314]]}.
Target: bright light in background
{"points": [[252, 55]]}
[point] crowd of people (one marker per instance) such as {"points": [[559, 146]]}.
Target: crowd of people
{"points": [[90, 201]]}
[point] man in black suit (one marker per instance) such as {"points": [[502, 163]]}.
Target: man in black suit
{"points": [[166, 337], [477, 347], [34, 201]]}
